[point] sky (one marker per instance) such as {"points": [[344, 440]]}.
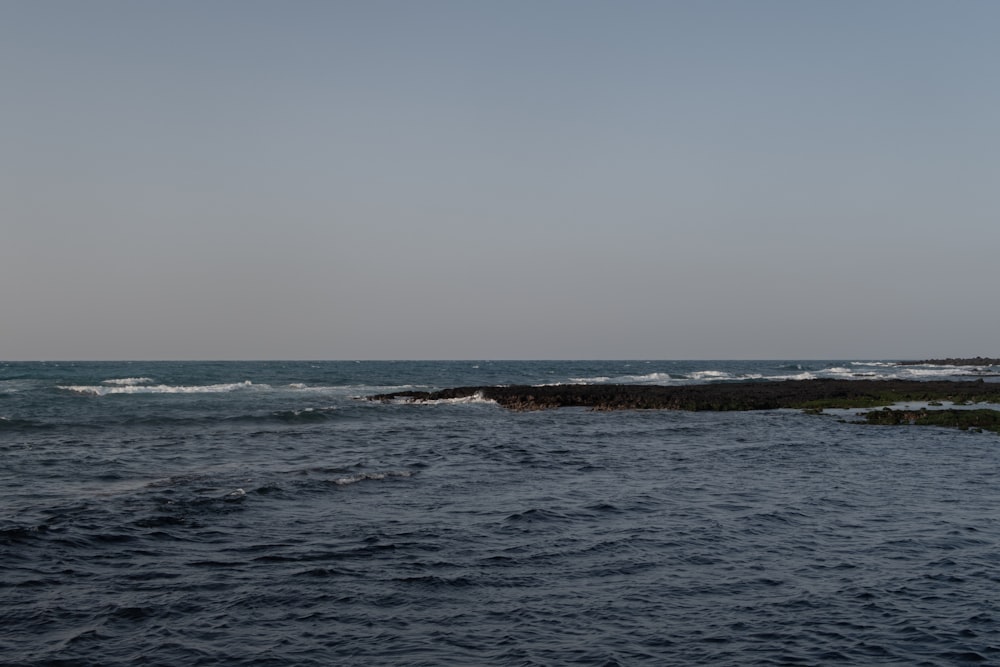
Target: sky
{"points": [[464, 179]]}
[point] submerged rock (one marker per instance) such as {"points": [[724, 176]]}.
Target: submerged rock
{"points": [[980, 420]]}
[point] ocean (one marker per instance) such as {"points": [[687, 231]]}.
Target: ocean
{"points": [[264, 513]]}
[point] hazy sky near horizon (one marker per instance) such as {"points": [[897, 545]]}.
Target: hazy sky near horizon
{"points": [[462, 179]]}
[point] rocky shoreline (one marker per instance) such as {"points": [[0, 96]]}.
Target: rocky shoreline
{"points": [[801, 394]]}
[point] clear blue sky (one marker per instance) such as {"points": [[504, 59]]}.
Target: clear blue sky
{"points": [[515, 179]]}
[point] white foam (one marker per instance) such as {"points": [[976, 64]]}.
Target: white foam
{"points": [[356, 390], [478, 397], [650, 378], [161, 388], [127, 382], [941, 371], [13, 386], [363, 476], [795, 376], [314, 389], [907, 372], [600, 379], [710, 375], [884, 370]]}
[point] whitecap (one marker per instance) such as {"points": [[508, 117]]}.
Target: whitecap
{"points": [[161, 388], [649, 378], [127, 382], [710, 375], [477, 397], [339, 389], [795, 376], [600, 379], [363, 476], [14, 386], [941, 371]]}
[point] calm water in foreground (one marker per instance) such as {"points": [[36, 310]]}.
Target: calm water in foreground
{"points": [[259, 513]]}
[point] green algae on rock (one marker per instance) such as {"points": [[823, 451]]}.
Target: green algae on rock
{"points": [[981, 419]]}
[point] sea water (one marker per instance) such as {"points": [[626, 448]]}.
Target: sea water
{"points": [[264, 513]]}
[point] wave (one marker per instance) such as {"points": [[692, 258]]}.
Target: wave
{"points": [[648, 378], [13, 534], [366, 476], [944, 371], [661, 378], [15, 386], [127, 382], [14, 424], [594, 380], [304, 415], [102, 390], [651, 378], [710, 375], [805, 375], [882, 370], [291, 416], [478, 397], [854, 370]]}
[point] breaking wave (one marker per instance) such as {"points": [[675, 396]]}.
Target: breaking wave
{"points": [[648, 378], [104, 390], [879, 370], [477, 397], [304, 414], [376, 476], [127, 382]]}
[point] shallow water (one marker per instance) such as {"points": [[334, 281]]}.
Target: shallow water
{"points": [[284, 522]]}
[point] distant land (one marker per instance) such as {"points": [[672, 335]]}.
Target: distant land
{"points": [[973, 361]]}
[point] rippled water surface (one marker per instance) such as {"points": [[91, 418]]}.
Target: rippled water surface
{"points": [[259, 513]]}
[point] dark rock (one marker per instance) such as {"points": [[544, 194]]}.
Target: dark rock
{"points": [[760, 395]]}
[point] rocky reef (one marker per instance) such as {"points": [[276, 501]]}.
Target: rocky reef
{"points": [[802, 394], [978, 420]]}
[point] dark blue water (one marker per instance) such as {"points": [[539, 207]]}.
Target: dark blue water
{"points": [[259, 513]]}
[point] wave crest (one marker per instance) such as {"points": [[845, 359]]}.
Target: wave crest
{"points": [[127, 382], [103, 390], [477, 397], [364, 476]]}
